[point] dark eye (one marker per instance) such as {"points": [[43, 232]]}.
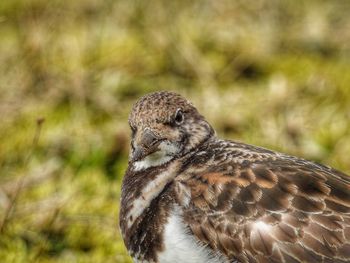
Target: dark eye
{"points": [[179, 117]]}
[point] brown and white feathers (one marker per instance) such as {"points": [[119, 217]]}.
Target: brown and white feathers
{"points": [[228, 201]]}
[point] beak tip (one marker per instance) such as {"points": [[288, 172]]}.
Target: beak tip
{"points": [[137, 154]]}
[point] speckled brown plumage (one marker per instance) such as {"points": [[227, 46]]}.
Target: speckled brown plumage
{"points": [[304, 207], [245, 203]]}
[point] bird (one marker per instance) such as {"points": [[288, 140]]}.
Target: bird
{"points": [[190, 197]]}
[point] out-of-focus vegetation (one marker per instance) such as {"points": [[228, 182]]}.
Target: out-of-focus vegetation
{"points": [[271, 73]]}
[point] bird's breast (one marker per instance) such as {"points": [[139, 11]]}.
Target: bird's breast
{"points": [[181, 246]]}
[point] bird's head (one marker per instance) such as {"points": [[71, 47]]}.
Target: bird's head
{"points": [[165, 125]]}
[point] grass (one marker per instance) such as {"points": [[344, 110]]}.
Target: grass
{"points": [[270, 73]]}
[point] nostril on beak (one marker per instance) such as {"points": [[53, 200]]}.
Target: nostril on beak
{"points": [[146, 145], [149, 138]]}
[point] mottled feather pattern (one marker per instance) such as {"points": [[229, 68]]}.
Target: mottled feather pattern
{"points": [[258, 204], [228, 201]]}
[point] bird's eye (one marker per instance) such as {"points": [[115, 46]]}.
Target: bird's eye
{"points": [[179, 117]]}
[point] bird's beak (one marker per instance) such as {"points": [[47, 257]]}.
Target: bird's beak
{"points": [[146, 143]]}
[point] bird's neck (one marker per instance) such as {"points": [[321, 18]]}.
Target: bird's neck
{"points": [[144, 196], [142, 193], [141, 187]]}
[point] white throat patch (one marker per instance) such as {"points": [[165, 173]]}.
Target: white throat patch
{"points": [[165, 153]]}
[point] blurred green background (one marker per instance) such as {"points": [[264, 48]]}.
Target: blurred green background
{"points": [[267, 72]]}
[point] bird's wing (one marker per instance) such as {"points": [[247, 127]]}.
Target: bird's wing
{"points": [[273, 208]]}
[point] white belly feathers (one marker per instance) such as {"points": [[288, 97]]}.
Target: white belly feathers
{"points": [[182, 247]]}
